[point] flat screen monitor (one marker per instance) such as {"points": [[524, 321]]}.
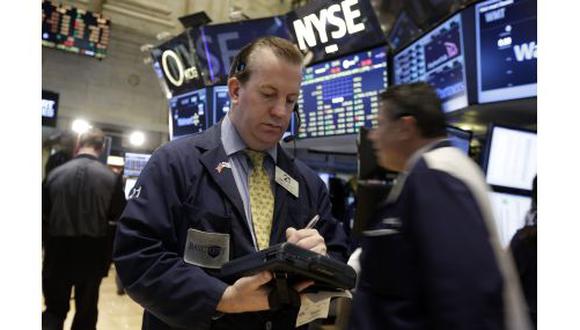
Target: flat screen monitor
{"points": [[511, 158], [188, 113], [339, 96], [438, 59], [459, 138], [135, 163], [506, 49], [74, 30], [220, 102], [49, 108], [129, 184], [509, 213]]}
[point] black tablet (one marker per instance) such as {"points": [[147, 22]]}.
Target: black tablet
{"points": [[296, 263]]}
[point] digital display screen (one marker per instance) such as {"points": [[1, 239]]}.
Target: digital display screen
{"points": [[49, 108], [74, 30], [459, 138], [188, 113], [220, 102], [337, 97], [135, 163], [438, 59], [506, 33], [511, 158], [509, 213]]}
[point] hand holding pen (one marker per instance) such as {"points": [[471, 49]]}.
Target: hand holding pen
{"points": [[308, 238]]}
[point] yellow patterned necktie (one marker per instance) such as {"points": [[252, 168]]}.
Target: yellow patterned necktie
{"points": [[261, 199]]}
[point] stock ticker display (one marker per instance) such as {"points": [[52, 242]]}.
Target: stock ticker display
{"points": [[74, 30], [506, 33], [438, 59], [337, 97], [188, 113]]}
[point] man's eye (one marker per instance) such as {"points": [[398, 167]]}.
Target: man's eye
{"points": [[268, 95]]}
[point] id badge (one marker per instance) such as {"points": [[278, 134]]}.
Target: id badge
{"points": [[206, 249]]}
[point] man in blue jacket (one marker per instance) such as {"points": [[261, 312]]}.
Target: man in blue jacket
{"points": [[431, 257], [208, 198]]}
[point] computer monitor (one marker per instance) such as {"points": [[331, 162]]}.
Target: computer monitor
{"points": [[510, 159], [437, 58], [506, 49], [49, 108], [220, 102], [188, 113], [509, 214], [339, 96], [459, 138], [134, 164]]}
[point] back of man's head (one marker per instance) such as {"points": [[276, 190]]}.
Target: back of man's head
{"points": [[420, 101], [244, 62], [93, 138]]}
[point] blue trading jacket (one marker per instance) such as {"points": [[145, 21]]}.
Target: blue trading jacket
{"points": [[180, 188], [430, 258]]}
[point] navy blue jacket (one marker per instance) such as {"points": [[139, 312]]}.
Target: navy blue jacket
{"points": [[427, 261], [180, 189]]}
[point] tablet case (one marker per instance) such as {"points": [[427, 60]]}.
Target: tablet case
{"points": [[296, 263]]}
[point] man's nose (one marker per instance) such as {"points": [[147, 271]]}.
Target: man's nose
{"points": [[279, 108]]}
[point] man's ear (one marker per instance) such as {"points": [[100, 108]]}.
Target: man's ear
{"points": [[407, 127], [234, 89]]}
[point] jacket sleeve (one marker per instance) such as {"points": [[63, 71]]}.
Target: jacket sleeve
{"points": [[459, 272], [147, 253]]}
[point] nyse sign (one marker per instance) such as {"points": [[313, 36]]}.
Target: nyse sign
{"points": [[334, 22]]}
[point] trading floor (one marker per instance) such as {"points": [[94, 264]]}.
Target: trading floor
{"points": [[116, 312]]}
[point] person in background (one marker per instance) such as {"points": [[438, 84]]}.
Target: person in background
{"points": [[430, 258], [64, 152], [80, 197], [524, 248], [208, 198]]}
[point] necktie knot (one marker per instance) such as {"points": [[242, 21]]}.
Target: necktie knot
{"points": [[256, 157]]}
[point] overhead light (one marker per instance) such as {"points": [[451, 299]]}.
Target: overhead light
{"points": [[137, 138], [80, 126]]}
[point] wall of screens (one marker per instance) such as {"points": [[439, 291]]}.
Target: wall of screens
{"points": [[437, 58], [339, 96], [506, 49], [74, 30]]}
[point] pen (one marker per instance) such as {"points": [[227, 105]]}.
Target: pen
{"points": [[312, 222]]}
